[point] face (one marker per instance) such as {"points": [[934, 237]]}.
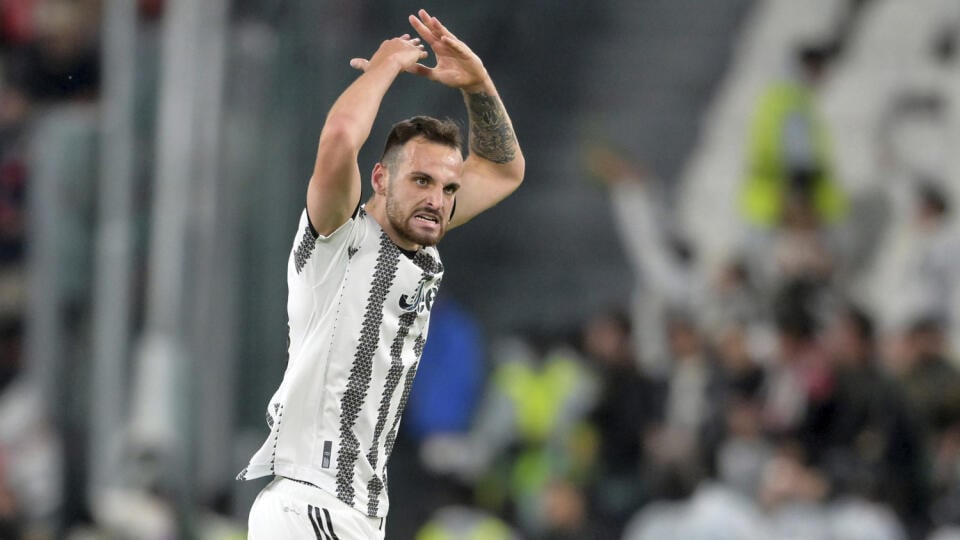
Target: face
{"points": [[420, 186], [683, 338], [605, 341]]}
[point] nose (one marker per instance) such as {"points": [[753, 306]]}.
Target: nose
{"points": [[435, 198]]}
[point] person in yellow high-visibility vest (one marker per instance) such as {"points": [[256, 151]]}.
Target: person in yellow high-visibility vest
{"points": [[531, 432], [789, 150], [465, 523]]}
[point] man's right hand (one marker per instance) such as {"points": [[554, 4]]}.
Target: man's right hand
{"points": [[402, 52], [611, 167]]}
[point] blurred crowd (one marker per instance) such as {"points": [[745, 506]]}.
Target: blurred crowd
{"points": [[49, 56], [779, 409], [805, 387]]}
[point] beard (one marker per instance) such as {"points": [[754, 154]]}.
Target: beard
{"points": [[401, 223]]}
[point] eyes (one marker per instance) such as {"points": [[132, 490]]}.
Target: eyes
{"points": [[424, 181]]}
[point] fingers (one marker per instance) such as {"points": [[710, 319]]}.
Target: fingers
{"points": [[399, 47], [456, 45], [413, 41], [431, 22], [429, 27], [435, 25], [422, 29]]}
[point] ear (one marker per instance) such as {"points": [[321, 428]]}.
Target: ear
{"points": [[379, 179]]}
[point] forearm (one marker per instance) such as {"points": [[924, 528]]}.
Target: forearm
{"points": [[492, 138], [494, 169], [334, 188], [634, 217], [352, 115]]}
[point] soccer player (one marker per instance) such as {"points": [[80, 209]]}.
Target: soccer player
{"points": [[362, 280]]}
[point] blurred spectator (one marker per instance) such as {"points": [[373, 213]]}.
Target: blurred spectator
{"points": [[932, 384], [61, 59], [30, 450], [742, 455], [930, 380], [668, 274], [464, 523], [711, 513], [868, 443], [530, 435], [798, 387], [628, 410], [735, 297], [800, 249], [692, 411], [742, 451], [852, 437], [14, 109], [451, 376], [741, 372], [715, 513], [919, 271], [664, 267], [563, 506], [789, 150]]}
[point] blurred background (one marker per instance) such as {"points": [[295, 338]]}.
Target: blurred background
{"points": [[723, 304]]}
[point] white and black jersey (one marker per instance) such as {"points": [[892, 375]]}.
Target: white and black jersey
{"points": [[358, 310]]}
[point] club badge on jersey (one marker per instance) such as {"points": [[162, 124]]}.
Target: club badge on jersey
{"points": [[422, 300]]}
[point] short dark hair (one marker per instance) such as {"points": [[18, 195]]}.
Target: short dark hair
{"points": [[435, 130]]}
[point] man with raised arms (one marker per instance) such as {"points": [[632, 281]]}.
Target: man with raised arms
{"points": [[362, 281]]}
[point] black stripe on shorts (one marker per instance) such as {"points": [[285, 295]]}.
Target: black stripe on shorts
{"points": [[317, 522]]}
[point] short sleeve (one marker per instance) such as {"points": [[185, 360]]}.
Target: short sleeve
{"points": [[313, 255]]}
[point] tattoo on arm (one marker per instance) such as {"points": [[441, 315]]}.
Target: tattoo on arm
{"points": [[491, 136]]}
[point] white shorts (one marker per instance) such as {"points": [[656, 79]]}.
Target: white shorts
{"points": [[290, 510]]}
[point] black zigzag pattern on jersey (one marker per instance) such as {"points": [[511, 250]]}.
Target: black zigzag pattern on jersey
{"points": [[375, 485], [358, 381], [302, 254], [427, 263], [278, 412], [407, 387]]}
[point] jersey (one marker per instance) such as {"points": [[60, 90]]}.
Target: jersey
{"points": [[358, 309]]}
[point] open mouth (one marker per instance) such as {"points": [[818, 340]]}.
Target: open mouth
{"points": [[427, 218]]}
